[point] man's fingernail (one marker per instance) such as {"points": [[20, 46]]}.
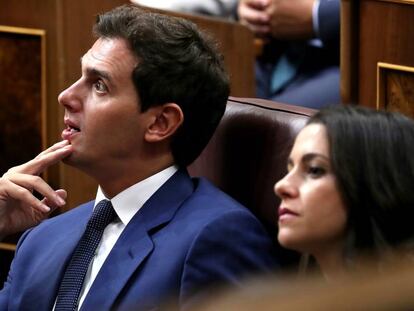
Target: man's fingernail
{"points": [[59, 200], [45, 207]]}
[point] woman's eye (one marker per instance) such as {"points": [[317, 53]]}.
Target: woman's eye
{"points": [[100, 86], [316, 171]]}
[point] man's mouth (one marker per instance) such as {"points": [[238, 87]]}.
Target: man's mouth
{"points": [[70, 130]]}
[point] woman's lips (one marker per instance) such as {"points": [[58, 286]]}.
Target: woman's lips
{"points": [[285, 213]]}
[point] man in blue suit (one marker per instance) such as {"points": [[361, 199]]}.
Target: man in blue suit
{"points": [[300, 60], [152, 91]]}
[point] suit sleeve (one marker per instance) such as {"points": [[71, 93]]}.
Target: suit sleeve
{"points": [[5, 294], [226, 251], [329, 21], [5, 291]]}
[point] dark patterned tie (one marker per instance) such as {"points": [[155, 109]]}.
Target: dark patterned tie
{"points": [[71, 285]]}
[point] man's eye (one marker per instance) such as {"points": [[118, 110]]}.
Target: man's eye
{"points": [[100, 86]]}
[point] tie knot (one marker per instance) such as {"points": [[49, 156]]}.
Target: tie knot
{"points": [[102, 215]]}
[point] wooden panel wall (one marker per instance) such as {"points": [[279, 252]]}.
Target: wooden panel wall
{"points": [[22, 98], [378, 46]]}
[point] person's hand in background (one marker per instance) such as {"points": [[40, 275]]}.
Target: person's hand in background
{"points": [[279, 19]]}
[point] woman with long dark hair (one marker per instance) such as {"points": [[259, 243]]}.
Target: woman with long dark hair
{"points": [[348, 193]]}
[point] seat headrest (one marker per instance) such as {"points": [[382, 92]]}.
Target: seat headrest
{"points": [[249, 150]]}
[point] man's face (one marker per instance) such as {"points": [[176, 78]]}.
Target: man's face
{"points": [[102, 120]]}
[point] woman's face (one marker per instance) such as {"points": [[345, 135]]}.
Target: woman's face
{"points": [[312, 216]]}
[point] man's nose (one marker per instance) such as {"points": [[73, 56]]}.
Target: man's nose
{"points": [[70, 98]]}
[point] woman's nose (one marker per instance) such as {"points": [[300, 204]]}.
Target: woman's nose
{"points": [[285, 187]]}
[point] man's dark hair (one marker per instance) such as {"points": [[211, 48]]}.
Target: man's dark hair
{"points": [[372, 159], [176, 63]]}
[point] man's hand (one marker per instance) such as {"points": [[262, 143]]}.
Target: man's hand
{"points": [[19, 208], [280, 19]]}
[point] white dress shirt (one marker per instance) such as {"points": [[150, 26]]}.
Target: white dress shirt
{"points": [[315, 21], [126, 204]]}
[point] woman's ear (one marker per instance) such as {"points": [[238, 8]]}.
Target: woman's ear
{"points": [[167, 119]]}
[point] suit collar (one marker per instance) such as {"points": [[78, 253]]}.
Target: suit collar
{"points": [[128, 202], [135, 242], [161, 207]]}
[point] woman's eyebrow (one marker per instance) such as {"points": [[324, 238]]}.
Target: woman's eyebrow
{"points": [[312, 155]]}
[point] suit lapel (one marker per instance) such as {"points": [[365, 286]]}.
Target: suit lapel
{"points": [[48, 271], [135, 243]]}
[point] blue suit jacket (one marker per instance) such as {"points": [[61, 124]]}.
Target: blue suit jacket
{"points": [[186, 236]]}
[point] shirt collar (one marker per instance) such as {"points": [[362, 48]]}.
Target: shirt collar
{"points": [[128, 202]]}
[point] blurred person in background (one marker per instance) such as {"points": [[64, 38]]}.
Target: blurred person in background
{"points": [[218, 8], [299, 63]]}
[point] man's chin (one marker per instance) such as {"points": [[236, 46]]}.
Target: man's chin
{"points": [[76, 162], [70, 160]]}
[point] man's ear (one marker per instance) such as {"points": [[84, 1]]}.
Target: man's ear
{"points": [[167, 119]]}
